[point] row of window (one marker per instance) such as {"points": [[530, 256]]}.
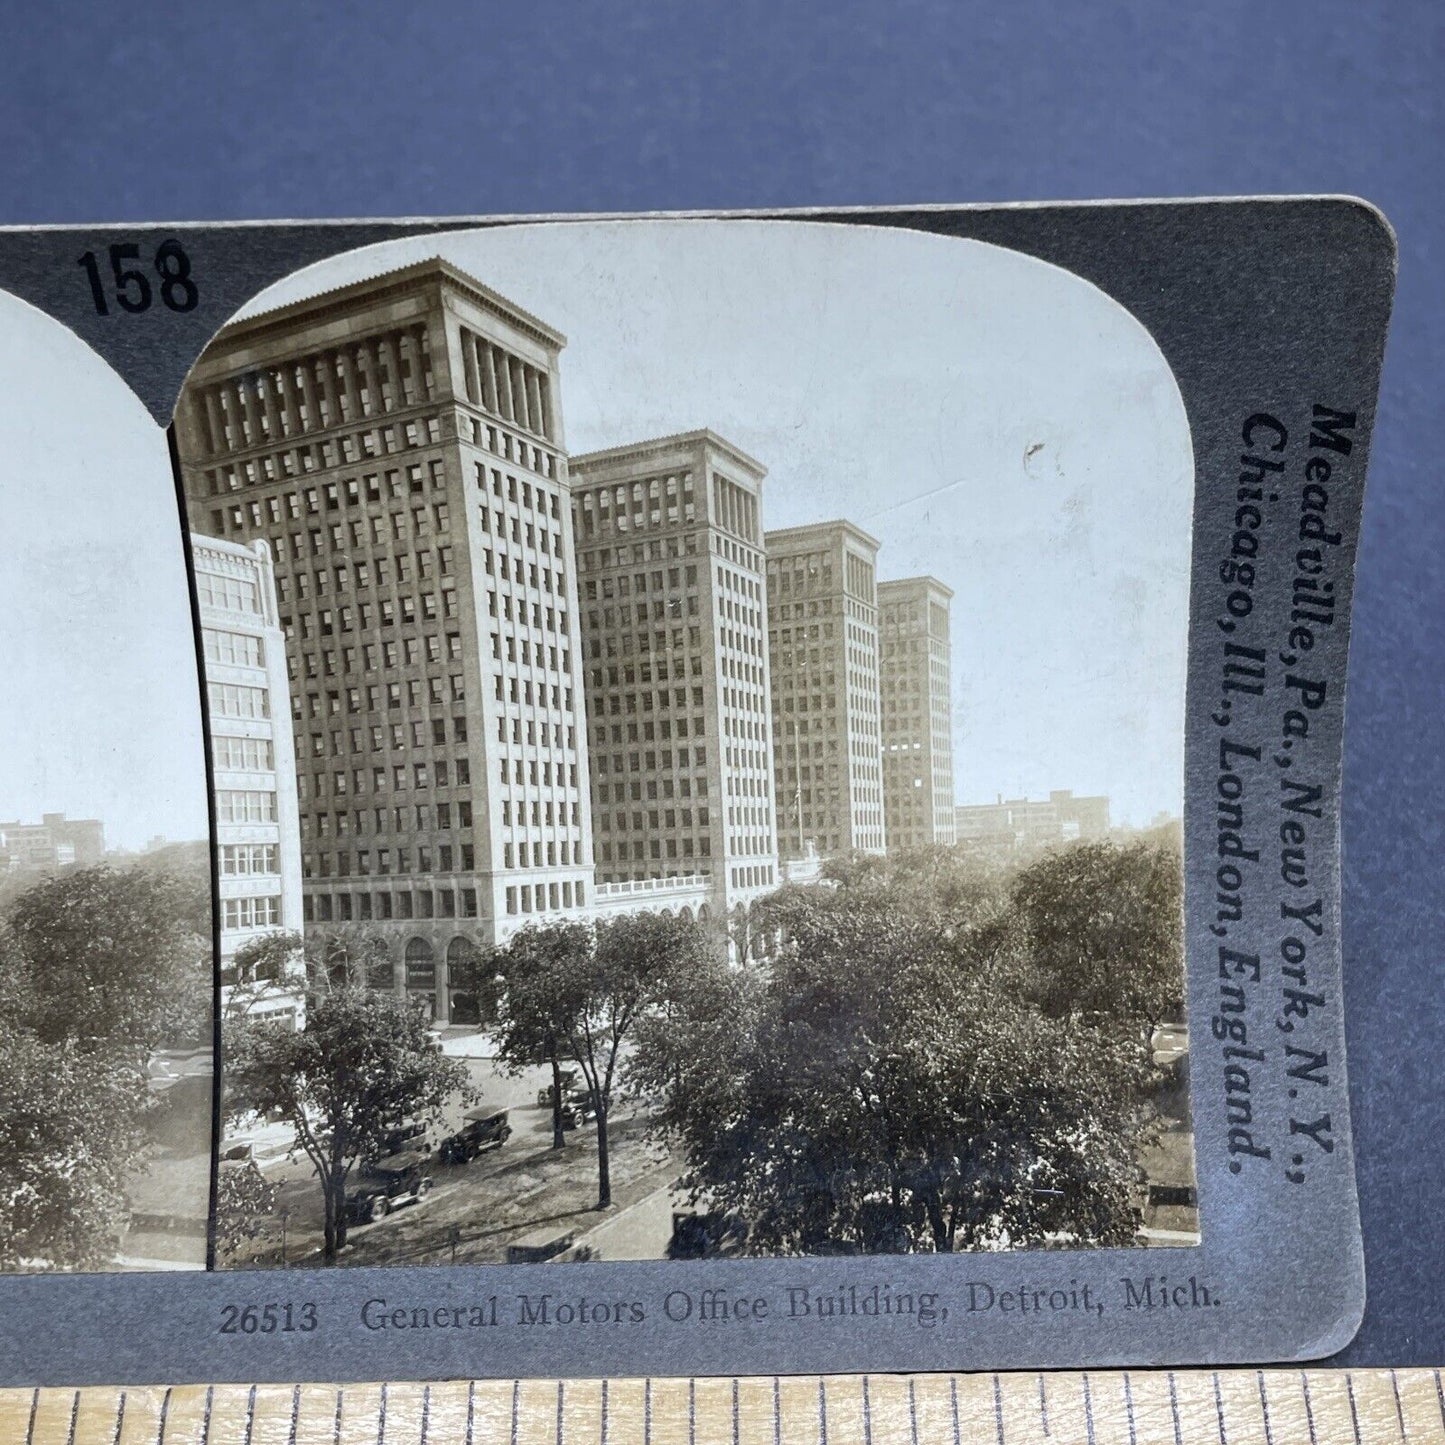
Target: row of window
{"points": [[399, 903], [242, 755], [229, 594], [361, 574], [633, 554], [323, 456], [641, 850], [234, 649], [245, 805], [239, 913], [241, 860]]}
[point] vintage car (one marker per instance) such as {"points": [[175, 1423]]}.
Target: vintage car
{"points": [[568, 1078], [410, 1136], [388, 1184], [708, 1234], [576, 1100], [484, 1129]]}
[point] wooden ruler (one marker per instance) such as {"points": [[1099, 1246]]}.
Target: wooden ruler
{"points": [[1106, 1407]]}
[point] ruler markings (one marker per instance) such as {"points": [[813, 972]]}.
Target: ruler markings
{"points": [[1264, 1409], [1304, 1380], [1105, 1407]]}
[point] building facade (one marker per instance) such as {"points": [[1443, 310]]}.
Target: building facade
{"points": [[54, 842], [1023, 823], [398, 446], [916, 672], [253, 763], [823, 655], [674, 626]]}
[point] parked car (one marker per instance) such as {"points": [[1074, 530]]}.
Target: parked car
{"points": [[388, 1184], [568, 1078], [706, 1235], [577, 1109], [485, 1129], [410, 1136]]}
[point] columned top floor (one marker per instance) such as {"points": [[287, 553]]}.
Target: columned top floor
{"points": [[918, 605], [635, 488], [823, 559], [384, 348]]}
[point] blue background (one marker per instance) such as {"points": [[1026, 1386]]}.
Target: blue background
{"points": [[296, 110]]}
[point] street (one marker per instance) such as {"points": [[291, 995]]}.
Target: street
{"points": [[524, 1190]]}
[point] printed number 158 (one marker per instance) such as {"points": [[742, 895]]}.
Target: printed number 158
{"points": [[131, 285]]}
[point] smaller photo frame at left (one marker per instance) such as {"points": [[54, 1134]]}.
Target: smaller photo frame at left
{"points": [[106, 958]]}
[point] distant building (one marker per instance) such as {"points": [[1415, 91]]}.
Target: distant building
{"points": [[674, 625], [917, 712], [823, 645], [253, 762], [1019, 823], [54, 842]]}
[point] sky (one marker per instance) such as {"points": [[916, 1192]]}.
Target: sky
{"points": [[995, 422], [99, 705]]}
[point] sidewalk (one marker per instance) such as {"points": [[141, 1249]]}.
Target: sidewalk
{"points": [[642, 1230], [462, 1041]]}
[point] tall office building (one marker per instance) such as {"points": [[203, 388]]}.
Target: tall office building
{"points": [[674, 614], [917, 712], [398, 445], [823, 652], [252, 760]]}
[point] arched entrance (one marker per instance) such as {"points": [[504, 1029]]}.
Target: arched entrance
{"points": [[421, 974]]}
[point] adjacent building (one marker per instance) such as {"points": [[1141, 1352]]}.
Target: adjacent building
{"points": [[674, 626], [1022, 823], [54, 842], [915, 671], [257, 837], [823, 654], [397, 444]]}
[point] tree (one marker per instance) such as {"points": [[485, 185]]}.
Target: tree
{"points": [[360, 1066], [540, 999], [262, 964], [108, 957], [882, 1086], [579, 991], [1102, 927], [70, 1135], [244, 1197]]}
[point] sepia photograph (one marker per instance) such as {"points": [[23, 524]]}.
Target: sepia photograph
{"points": [[106, 960], [695, 712]]}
